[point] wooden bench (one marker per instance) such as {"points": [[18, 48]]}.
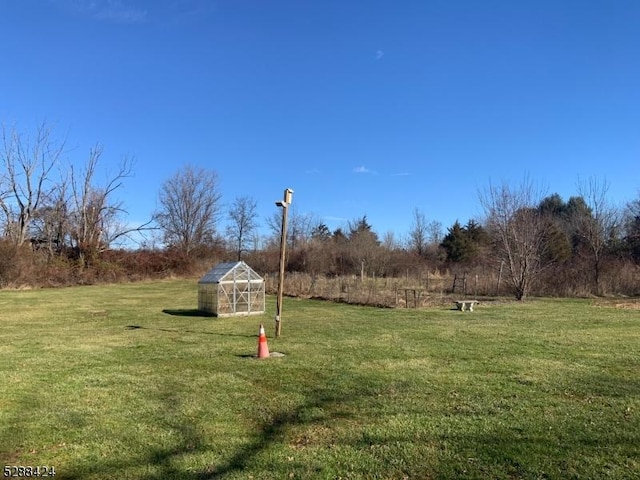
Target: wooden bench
{"points": [[466, 304]]}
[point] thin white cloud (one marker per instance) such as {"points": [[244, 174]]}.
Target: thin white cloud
{"points": [[402, 174], [365, 170], [379, 54], [117, 11], [121, 16], [169, 12], [312, 171]]}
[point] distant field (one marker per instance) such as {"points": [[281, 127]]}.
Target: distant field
{"points": [[101, 383]]}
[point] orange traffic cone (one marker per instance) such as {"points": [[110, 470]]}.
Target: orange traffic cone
{"points": [[263, 349]]}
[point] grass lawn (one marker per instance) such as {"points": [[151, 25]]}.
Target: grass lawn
{"points": [[101, 383]]}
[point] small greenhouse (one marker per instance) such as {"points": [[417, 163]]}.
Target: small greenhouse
{"points": [[230, 289]]}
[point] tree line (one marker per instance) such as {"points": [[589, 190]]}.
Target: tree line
{"points": [[60, 225]]}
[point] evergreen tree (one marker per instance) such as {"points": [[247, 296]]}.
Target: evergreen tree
{"points": [[456, 243]]}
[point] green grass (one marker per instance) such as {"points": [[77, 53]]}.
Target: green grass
{"points": [[101, 383]]}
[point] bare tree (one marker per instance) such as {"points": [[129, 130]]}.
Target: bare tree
{"points": [[363, 247], [50, 228], [519, 230], [94, 214], [598, 227], [300, 230], [419, 233], [434, 232], [24, 184], [244, 221], [189, 208], [388, 247], [318, 254]]}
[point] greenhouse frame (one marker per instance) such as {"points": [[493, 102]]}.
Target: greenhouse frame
{"points": [[231, 289]]}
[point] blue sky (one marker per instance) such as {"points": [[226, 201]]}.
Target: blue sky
{"points": [[362, 107]]}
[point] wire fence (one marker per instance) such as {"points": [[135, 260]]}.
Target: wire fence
{"points": [[406, 292]]}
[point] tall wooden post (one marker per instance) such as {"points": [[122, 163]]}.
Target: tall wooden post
{"points": [[283, 243]]}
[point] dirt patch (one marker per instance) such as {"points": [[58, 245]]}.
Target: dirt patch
{"points": [[10, 458], [313, 437], [627, 304]]}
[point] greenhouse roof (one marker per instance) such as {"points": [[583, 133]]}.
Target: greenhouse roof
{"points": [[229, 272]]}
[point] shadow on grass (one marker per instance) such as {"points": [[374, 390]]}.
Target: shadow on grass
{"points": [[14, 426], [186, 330], [163, 461], [272, 432], [160, 459], [187, 312], [503, 449]]}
